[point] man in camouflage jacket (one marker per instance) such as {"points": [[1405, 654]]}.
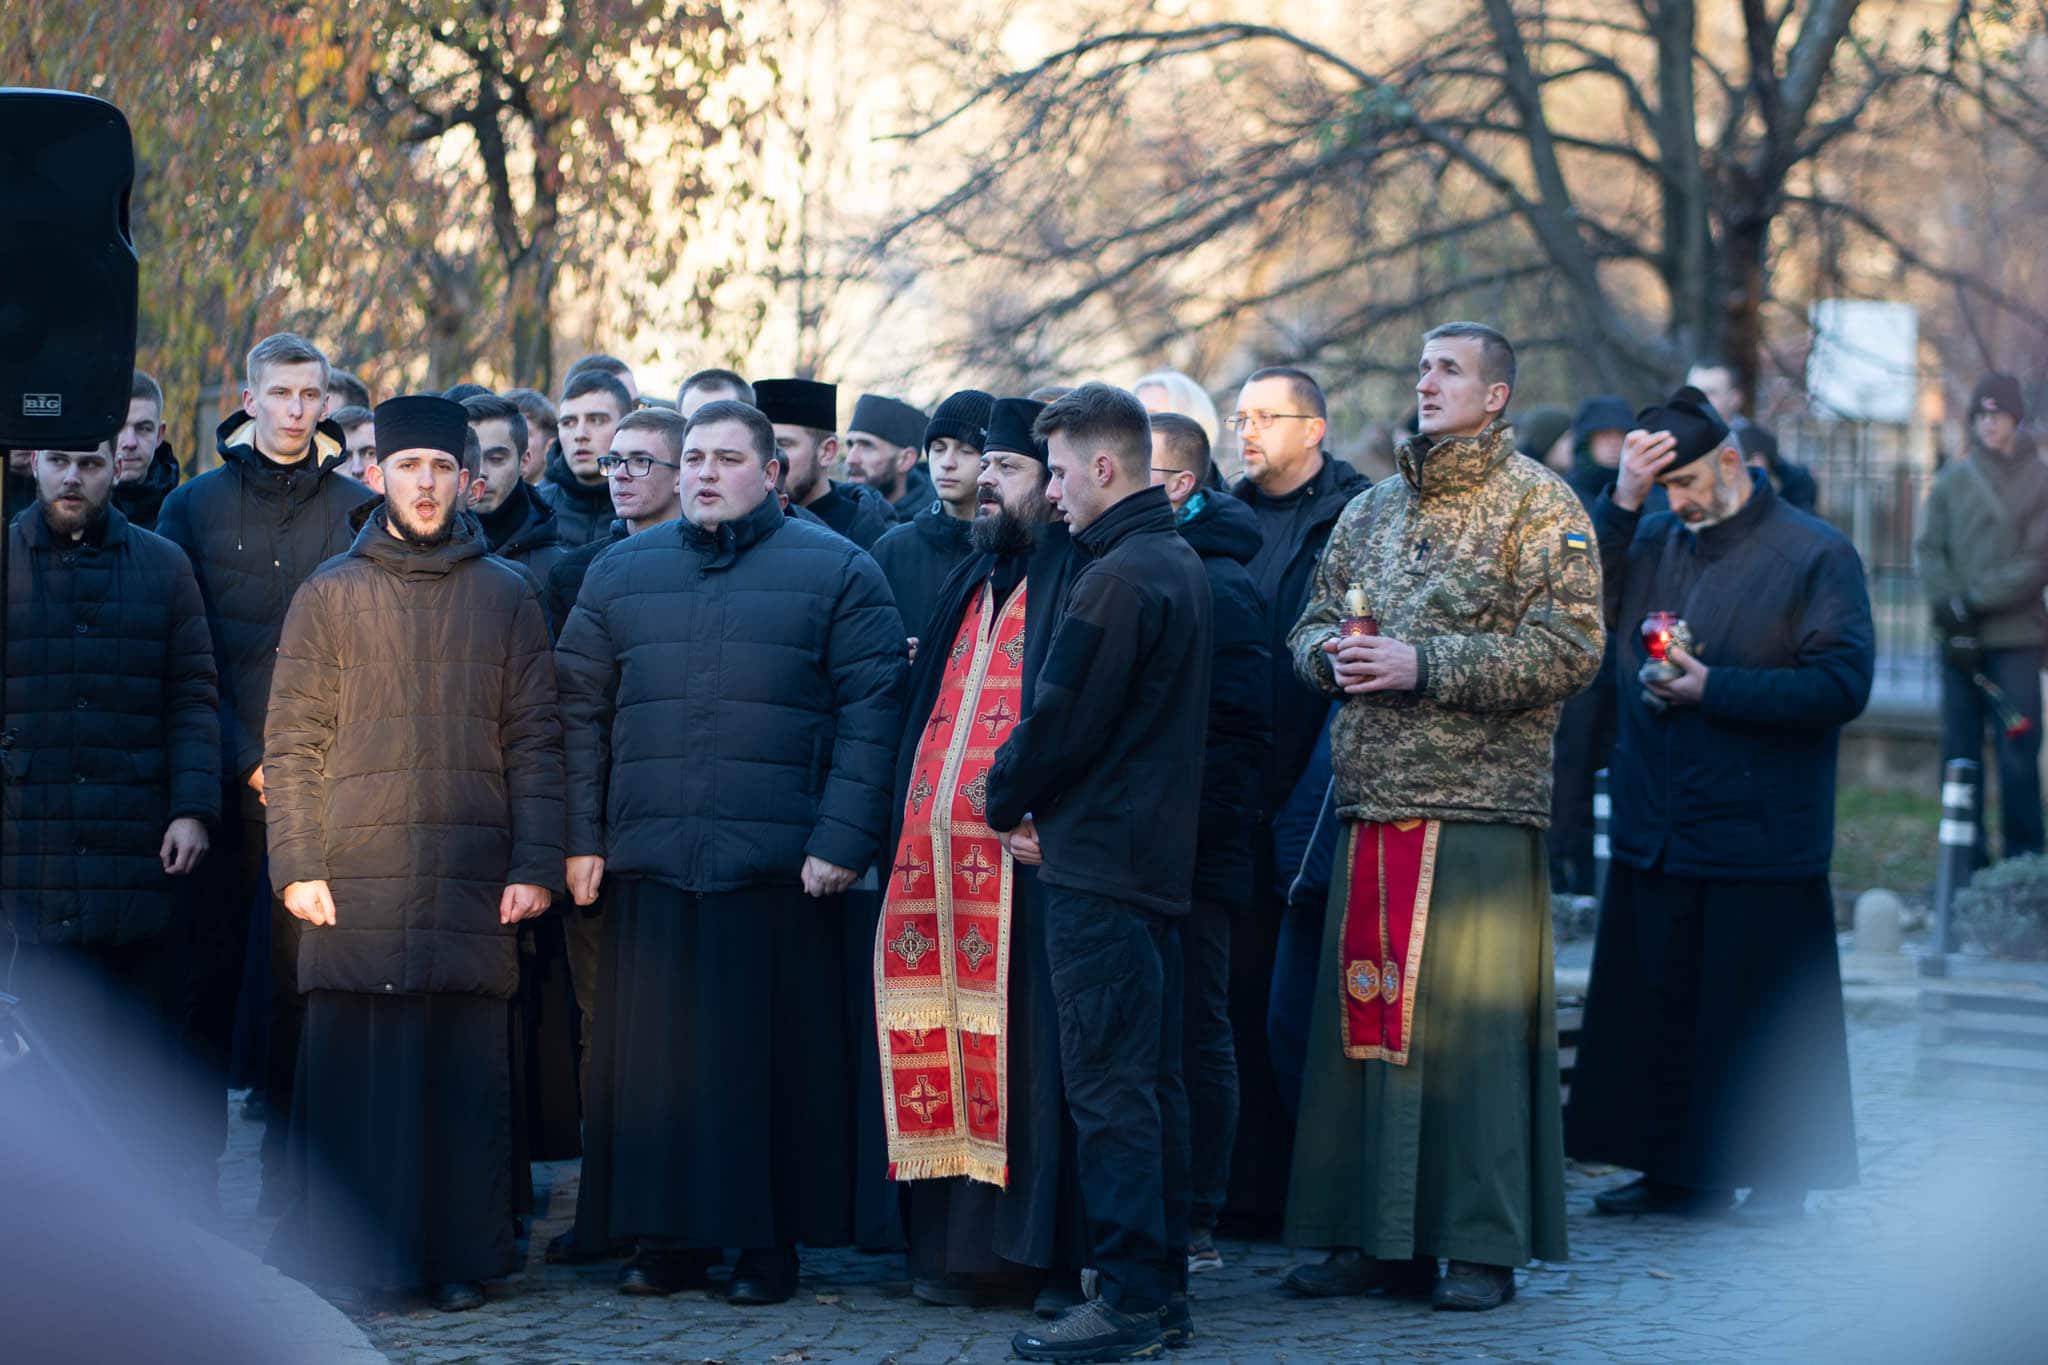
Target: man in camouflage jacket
{"points": [[1482, 571]]}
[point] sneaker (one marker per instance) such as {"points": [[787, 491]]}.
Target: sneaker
{"points": [[1176, 1324], [1092, 1331], [1202, 1253]]}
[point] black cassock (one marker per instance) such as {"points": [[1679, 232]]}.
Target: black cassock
{"points": [[960, 1226], [402, 1144], [1714, 1053]]}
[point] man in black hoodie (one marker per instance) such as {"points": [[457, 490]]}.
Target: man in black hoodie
{"points": [[1102, 783], [519, 524], [1225, 534], [145, 470], [254, 529], [805, 414], [1296, 491], [593, 403], [917, 555]]}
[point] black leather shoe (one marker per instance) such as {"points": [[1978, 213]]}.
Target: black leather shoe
{"points": [[1092, 1331], [951, 1291], [660, 1275], [457, 1297], [1468, 1287], [762, 1277], [1644, 1195], [1176, 1324], [1347, 1272], [1772, 1205], [564, 1249]]}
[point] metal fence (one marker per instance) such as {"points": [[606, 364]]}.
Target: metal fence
{"points": [[1873, 480]]}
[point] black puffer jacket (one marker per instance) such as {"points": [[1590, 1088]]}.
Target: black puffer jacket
{"points": [[583, 511], [1109, 758], [917, 557], [855, 511], [1741, 786], [1225, 534], [527, 531], [254, 531], [111, 729], [142, 500], [730, 703], [1299, 714], [414, 763], [918, 493]]}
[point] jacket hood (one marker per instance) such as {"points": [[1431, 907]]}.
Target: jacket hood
{"points": [[938, 529], [587, 496], [1435, 468], [235, 441], [375, 543], [531, 517], [1224, 529]]}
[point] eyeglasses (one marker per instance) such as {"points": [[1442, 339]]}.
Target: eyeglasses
{"points": [[639, 466], [1259, 421]]}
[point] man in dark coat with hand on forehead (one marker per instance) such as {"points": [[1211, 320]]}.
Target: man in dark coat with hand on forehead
{"points": [[413, 766], [1714, 1054]]}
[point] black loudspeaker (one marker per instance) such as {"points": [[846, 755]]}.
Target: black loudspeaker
{"points": [[67, 269]]}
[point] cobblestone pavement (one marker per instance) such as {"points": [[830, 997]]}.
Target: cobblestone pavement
{"points": [[1936, 1254]]}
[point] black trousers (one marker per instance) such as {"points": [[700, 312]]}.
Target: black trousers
{"points": [[1116, 978], [1208, 1060], [1965, 714], [218, 895]]}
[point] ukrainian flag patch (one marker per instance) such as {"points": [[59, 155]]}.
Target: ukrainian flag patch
{"points": [[1576, 540]]}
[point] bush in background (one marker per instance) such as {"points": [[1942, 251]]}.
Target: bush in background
{"points": [[2004, 909]]}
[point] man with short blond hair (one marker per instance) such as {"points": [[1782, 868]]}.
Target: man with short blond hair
{"points": [[255, 528]]}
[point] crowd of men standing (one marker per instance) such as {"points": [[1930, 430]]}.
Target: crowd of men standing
{"points": [[1034, 851]]}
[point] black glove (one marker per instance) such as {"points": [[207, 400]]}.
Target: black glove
{"points": [[1957, 632]]}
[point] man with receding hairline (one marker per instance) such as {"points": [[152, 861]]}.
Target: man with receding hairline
{"points": [[1456, 607]]}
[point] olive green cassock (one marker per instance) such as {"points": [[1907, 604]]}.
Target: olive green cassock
{"points": [[1484, 561]]}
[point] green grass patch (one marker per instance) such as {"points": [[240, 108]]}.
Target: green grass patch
{"points": [[1888, 839]]}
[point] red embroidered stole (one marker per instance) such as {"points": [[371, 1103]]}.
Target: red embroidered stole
{"points": [[1386, 914], [942, 950]]}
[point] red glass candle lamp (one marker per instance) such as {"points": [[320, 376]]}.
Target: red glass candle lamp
{"points": [[1662, 630], [1358, 620]]}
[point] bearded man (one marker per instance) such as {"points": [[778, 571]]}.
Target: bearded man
{"points": [[991, 1206], [413, 766]]}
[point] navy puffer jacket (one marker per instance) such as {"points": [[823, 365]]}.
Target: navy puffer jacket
{"points": [[111, 729], [254, 531], [730, 703], [414, 763]]}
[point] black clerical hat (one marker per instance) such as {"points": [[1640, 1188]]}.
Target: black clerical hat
{"points": [[421, 421], [1009, 428], [1689, 417], [798, 403], [892, 419]]}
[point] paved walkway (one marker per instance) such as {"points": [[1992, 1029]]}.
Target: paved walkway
{"points": [[1936, 1255]]}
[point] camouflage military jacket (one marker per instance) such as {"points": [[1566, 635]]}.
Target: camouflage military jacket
{"points": [[1485, 562]]}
